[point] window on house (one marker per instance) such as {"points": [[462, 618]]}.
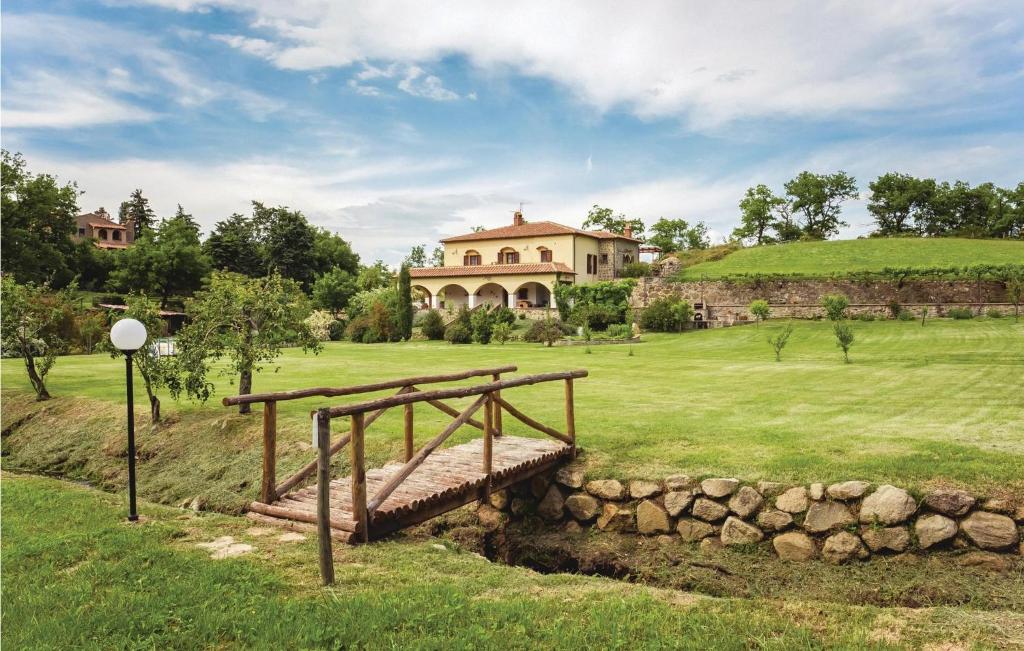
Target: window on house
{"points": [[604, 258], [116, 235], [511, 257], [591, 263], [524, 293], [545, 255], [471, 259], [103, 233], [627, 258], [81, 231]]}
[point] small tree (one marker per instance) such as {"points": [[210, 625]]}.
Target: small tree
{"points": [[333, 289], [482, 325], [91, 327], [35, 326], [760, 310], [924, 315], [844, 338], [501, 333], [155, 371], [432, 326], [1015, 290], [835, 306], [247, 320], [404, 316], [779, 341]]}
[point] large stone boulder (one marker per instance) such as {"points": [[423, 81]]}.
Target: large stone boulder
{"points": [[607, 489], [888, 505], [569, 477], [745, 502], [693, 530], [491, 519], [738, 532], [583, 507], [550, 508], [640, 489], [848, 490], [708, 510], [773, 520], [615, 517], [499, 499], [539, 485], [817, 491], [842, 547], [680, 483], [770, 488], [677, 501], [990, 530], [895, 539], [950, 502], [794, 546], [793, 500], [719, 487], [827, 516], [651, 518], [933, 529]]}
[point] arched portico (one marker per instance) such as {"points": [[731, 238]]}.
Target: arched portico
{"points": [[426, 298], [530, 294], [490, 294], [451, 296]]}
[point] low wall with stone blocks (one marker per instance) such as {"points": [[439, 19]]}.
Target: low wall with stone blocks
{"points": [[841, 522]]}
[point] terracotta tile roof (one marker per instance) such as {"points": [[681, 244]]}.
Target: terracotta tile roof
{"points": [[100, 222], [491, 270], [533, 229]]}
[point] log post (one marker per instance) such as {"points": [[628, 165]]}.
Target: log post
{"points": [[490, 407], [408, 432], [268, 490], [323, 495], [497, 408], [359, 478], [570, 416]]}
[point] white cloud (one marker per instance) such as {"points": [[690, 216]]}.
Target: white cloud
{"points": [[42, 99], [711, 63], [412, 79], [254, 46], [419, 84]]}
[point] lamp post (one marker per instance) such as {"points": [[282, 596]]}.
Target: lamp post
{"points": [[129, 335]]}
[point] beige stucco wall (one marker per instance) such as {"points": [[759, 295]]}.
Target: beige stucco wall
{"points": [[485, 289], [528, 248]]}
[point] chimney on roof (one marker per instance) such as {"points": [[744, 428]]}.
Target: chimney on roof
{"points": [[627, 231], [517, 218]]}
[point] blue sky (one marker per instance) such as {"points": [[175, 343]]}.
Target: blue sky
{"points": [[399, 123]]}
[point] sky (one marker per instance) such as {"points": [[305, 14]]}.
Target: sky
{"points": [[399, 123]]}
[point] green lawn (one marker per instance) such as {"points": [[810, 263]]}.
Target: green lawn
{"points": [[75, 575], [845, 256], [918, 406]]}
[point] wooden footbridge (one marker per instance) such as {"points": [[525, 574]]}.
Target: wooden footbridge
{"points": [[372, 503]]}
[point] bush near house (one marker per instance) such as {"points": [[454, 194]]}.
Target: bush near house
{"points": [[432, 325], [669, 314], [596, 305], [547, 331], [960, 313]]}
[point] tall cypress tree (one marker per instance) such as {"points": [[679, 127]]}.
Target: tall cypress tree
{"points": [[405, 303]]}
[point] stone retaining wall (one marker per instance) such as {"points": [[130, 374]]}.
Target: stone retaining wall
{"points": [[841, 522]]}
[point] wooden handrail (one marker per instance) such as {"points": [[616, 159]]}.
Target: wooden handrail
{"points": [[420, 456], [526, 420], [227, 401], [444, 394]]}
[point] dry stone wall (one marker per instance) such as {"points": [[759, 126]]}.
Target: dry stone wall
{"points": [[838, 523]]}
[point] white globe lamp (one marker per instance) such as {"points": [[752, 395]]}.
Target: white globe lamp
{"points": [[128, 335]]}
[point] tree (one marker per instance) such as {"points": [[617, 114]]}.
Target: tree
{"points": [[137, 210], [330, 251], [154, 369], [417, 256], [373, 276], [36, 323], [37, 225], [819, 198], [1014, 290], [835, 306], [233, 246], [760, 310], [898, 201], [432, 326], [332, 290], [759, 213], [91, 327], [288, 242], [606, 219], [163, 262], [247, 321], [672, 235], [404, 316], [437, 257], [844, 338], [187, 219], [779, 341]]}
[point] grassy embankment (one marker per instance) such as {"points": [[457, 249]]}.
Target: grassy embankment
{"points": [[839, 257], [919, 406], [75, 575]]}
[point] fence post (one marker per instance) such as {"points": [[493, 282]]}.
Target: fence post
{"points": [[570, 416], [489, 408], [408, 432], [323, 495], [268, 490], [359, 478], [497, 408]]}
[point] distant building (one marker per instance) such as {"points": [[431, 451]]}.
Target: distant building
{"points": [[105, 233]]}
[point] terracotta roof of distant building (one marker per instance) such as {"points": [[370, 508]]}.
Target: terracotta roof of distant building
{"points": [[491, 270], [533, 229], [101, 222]]}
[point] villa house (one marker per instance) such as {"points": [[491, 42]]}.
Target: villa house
{"points": [[520, 265], [105, 233]]}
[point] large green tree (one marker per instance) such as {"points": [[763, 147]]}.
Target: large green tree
{"points": [[331, 251], [671, 235], [138, 210], [38, 220], [404, 316], [333, 290], [417, 256], [246, 321], [288, 243], [234, 246], [898, 201], [606, 219], [760, 213], [37, 324], [818, 198], [374, 275]]}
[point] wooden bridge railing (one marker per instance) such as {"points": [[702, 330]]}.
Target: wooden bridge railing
{"points": [[270, 490]]}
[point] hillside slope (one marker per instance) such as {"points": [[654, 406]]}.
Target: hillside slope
{"points": [[847, 256]]}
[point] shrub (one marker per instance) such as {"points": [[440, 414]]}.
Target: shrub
{"points": [[337, 330], [835, 306], [636, 270], [668, 314], [895, 308], [779, 341], [598, 303], [994, 313], [959, 313], [357, 328], [760, 310], [522, 316], [844, 338], [457, 333], [619, 331], [432, 325], [481, 325], [596, 316], [319, 324], [905, 315], [547, 331], [501, 332], [503, 314], [865, 316]]}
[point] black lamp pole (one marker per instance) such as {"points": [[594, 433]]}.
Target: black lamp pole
{"points": [[133, 515]]}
